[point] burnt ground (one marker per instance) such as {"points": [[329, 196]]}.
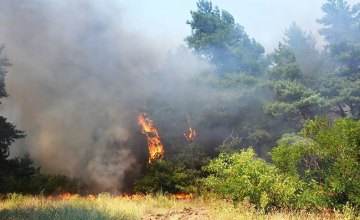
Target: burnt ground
{"points": [[195, 213]]}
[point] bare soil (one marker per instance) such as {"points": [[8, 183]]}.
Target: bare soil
{"points": [[195, 213]]}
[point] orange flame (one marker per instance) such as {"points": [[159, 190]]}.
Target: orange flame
{"points": [[156, 149], [183, 196], [67, 196], [191, 134], [91, 197]]}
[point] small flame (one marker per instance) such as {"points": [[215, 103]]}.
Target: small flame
{"points": [[183, 196], [67, 196], [91, 197], [156, 149], [191, 134], [134, 196]]}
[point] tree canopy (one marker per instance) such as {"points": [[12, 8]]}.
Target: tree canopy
{"points": [[342, 30], [216, 36], [8, 132]]}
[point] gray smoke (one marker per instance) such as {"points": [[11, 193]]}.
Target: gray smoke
{"points": [[78, 77]]}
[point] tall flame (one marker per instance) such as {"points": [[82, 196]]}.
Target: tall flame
{"points": [[156, 149]]}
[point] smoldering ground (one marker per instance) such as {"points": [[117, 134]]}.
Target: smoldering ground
{"points": [[78, 78]]}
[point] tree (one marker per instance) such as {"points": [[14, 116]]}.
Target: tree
{"points": [[18, 174], [298, 40], [290, 95], [8, 132], [343, 95], [342, 31], [302, 44], [284, 65], [217, 37], [4, 63], [8, 135]]}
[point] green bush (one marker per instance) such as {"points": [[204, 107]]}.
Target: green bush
{"points": [[242, 176], [326, 156], [164, 176], [20, 176]]}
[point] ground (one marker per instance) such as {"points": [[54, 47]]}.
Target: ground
{"points": [[195, 213]]}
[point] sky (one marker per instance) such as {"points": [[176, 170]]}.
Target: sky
{"points": [[164, 21]]}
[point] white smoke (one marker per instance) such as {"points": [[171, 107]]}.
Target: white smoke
{"points": [[78, 76]]}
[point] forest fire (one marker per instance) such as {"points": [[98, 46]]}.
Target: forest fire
{"points": [[156, 149]]}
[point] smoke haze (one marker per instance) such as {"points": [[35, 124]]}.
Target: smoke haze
{"points": [[83, 70], [78, 78]]}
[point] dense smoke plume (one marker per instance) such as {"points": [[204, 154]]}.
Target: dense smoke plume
{"points": [[78, 78]]}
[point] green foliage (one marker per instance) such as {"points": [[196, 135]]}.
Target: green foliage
{"points": [[326, 156], [11, 169], [284, 64], [231, 146], [342, 30], [339, 21], [166, 176], [8, 135], [343, 94], [16, 174], [236, 81], [8, 132], [238, 106], [315, 169], [19, 175], [299, 41], [216, 36], [292, 98], [192, 156], [242, 176]]}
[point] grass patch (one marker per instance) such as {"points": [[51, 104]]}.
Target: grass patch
{"points": [[106, 206]]}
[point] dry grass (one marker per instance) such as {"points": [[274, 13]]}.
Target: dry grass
{"points": [[106, 206]]}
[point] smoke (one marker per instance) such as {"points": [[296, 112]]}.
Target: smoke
{"points": [[78, 78]]}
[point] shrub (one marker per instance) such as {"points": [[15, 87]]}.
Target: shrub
{"points": [[327, 157], [20, 176], [242, 176], [166, 176]]}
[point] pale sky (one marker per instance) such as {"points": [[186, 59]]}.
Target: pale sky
{"points": [[165, 21]]}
